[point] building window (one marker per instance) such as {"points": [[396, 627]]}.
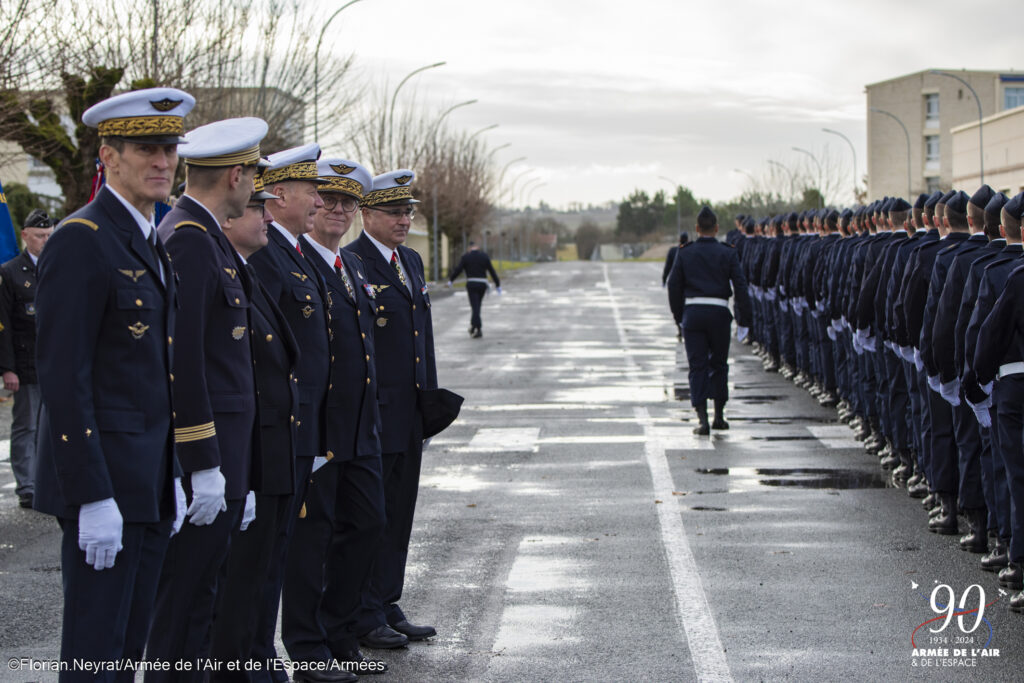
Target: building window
{"points": [[1013, 97], [933, 184], [931, 110], [931, 153]]}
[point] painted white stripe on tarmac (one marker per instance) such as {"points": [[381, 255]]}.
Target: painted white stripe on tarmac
{"points": [[700, 629], [5, 450], [505, 439]]}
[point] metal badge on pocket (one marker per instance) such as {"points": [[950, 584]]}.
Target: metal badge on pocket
{"points": [[138, 330], [238, 333]]}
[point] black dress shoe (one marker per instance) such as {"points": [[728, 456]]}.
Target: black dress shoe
{"points": [[997, 559], [413, 632], [945, 522], [1017, 602], [358, 663], [918, 490], [719, 423], [314, 674], [479, 333], [25, 501], [977, 540], [1011, 576], [703, 429], [383, 638]]}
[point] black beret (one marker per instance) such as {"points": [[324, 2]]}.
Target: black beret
{"points": [[683, 236], [921, 199], [899, 204], [741, 217], [847, 213], [706, 214], [946, 197], [38, 219], [1015, 207], [982, 196], [996, 204], [933, 200], [958, 202]]}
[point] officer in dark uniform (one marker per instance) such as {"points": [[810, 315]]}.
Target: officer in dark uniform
{"points": [[105, 314], [670, 258], [341, 530], [18, 349], [404, 340], [275, 352], [214, 391], [293, 282], [477, 265], [699, 291]]}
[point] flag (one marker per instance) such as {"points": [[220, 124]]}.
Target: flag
{"points": [[8, 240], [98, 180]]}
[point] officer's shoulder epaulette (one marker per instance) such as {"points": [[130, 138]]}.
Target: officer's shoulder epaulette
{"points": [[83, 221], [356, 255], [190, 224], [687, 245]]}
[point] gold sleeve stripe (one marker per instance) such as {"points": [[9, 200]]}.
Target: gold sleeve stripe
{"points": [[197, 433], [191, 224], [83, 221]]}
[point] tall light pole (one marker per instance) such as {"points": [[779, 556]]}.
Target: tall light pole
{"points": [[523, 196], [821, 191], [435, 262], [679, 209], [855, 181], [905, 133], [977, 100], [316, 66], [394, 99], [789, 173], [484, 129]]}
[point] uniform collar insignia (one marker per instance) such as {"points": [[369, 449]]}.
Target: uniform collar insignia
{"points": [[231, 272], [302, 276], [133, 274]]}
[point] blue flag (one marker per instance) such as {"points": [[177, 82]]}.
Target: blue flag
{"points": [[8, 241]]}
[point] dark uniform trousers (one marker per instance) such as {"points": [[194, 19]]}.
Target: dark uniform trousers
{"points": [[405, 362], [1009, 397], [475, 291], [337, 538], [294, 283], [993, 475], [102, 434], [215, 390], [706, 334]]}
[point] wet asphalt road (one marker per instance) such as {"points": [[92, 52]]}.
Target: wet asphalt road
{"points": [[571, 528]]}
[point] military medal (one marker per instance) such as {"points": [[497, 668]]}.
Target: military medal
{"points": [[237, 333], [381, 322]]}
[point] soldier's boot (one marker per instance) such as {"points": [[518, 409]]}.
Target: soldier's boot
{"points": [[998, 557], [945, 522], [890, 458], [901, 475], [703, 428], [977, 540], [719, 422], [1011, 576], [1017, 602]]}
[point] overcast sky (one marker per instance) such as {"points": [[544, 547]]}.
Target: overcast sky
{"points": [[603, 97]]}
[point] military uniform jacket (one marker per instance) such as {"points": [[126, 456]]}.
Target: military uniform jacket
{"points": [[404, 340], [18, 318], [477, 264], [104, 360], [276, 354], [940, 268], [707, 268], [986, 352], [294, 284], [944, 326], [214, 386], [967, 300], [352, 417]]}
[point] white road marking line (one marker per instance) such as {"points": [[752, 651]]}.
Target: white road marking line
{"points": [[12, 485], [505, 439], [700, 629], [5, 450]]}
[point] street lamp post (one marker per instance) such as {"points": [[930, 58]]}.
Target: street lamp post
{"points": [[316, 67], [855, 181], [522, 191], [821, 191], [905, 133], [485, 128], [791, 174], [394, 99], [977, 100], [435, 262], [679, 209]]}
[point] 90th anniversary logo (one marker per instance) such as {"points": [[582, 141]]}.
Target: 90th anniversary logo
{"points": [[961, 634]]}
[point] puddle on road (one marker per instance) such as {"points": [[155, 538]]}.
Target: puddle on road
{"points": [[800, 477]]}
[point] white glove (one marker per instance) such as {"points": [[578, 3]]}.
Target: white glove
{"points": [[933, 382], [180, 505], [831, 332], [99, 532], [907, 353], [837, 325], [868, 344], [498, 290], [844, 321], [448, 285], [207, 496], [821, 306], [249, 513], [981, 412], [770, 295], [815, 313], [987, 388], [918, 363], [318, 462], [782, 290], [783, 304], [951, 392], [741, 333]]}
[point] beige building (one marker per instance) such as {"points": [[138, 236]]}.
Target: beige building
{"points": [[1003, 134], [930, 106]]}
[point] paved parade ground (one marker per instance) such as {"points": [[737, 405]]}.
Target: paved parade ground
{"points": [[570, 527]]}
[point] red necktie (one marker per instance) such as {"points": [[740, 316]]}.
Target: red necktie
{"points": [[337, 264], [298, 248]]}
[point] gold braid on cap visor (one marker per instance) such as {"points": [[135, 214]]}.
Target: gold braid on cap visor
{"points": [[140, 126], [302, 170], [346, 185], [391, 194]]}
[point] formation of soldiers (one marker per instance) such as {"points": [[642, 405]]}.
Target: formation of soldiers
{"points": [[908, 319], [233, 407]]}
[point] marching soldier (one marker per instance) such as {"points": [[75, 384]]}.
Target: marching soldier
{"points": [[477, 265], [341, 530], [214, 391], [404, 341], [105, 313], [699, 291], [18, 349]]}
